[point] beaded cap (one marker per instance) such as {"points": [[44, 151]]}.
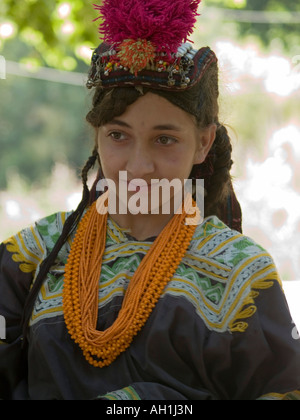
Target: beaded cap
{"points": [[145, 43]]}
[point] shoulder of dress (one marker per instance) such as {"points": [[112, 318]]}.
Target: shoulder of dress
{"points": [[217, 241], [50, 227], [226, 270], [32, 244]]}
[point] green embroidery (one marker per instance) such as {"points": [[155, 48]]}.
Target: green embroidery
{"points": [[55, 237], [243, 244], [123, 264], [131, 392], [215, 293], [43, 230], [238, 258], [55, 282], [212, 291], [52, 218], [128, 393], [50, 229]]}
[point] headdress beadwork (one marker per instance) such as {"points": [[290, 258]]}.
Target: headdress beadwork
{"points": [[145, 42]]}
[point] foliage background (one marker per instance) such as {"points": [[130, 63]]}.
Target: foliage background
{"points": [[45, 140]]}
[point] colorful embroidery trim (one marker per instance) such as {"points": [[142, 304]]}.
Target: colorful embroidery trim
{"points": [[221, 275]]}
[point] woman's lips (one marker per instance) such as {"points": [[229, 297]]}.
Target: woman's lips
{"points": [[138, 185]]}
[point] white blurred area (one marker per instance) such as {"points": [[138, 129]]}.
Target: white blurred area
{"points": [[270, 200], [278, 74], [268, 190], [21, 207]]}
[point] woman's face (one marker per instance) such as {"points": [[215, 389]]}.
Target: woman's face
{"points": [[152, 140]]}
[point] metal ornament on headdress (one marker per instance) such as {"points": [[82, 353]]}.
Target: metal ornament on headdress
{"points": [[146, 44]]}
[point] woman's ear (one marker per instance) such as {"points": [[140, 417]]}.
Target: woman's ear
{"points": [[206, 138]]}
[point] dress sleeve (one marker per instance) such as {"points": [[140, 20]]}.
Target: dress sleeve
{"points": [[14, 287], [20, 257], [276, 329], [265, 358]]}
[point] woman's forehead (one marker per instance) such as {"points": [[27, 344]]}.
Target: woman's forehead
{"points": [[154, 110]]}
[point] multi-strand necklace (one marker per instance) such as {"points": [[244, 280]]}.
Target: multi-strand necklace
{"points": [[82, 278]]}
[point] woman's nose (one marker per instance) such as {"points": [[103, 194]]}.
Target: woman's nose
{"points": [[140, 162]]}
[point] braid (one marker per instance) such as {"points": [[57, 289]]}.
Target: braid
{"points": [[218, 185], [69, 226], [215, 171], [84, 175]]}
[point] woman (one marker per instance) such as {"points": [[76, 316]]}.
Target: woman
{"points": [[144, 305]]}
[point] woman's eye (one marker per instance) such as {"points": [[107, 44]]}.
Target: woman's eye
{"points": [[116, 135], [165, 141]]}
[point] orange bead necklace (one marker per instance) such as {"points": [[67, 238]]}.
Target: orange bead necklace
{"points": [[82, 275]]}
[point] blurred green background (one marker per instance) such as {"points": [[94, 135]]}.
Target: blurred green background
{"points": [[44, 139]]}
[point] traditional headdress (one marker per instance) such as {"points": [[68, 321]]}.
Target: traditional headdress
{"points": [[145, 43]]}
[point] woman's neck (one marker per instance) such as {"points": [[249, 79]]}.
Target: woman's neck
{"points": [[142, 226]]}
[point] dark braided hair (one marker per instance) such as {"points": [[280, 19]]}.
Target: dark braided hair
{"points": [[68, 228], [215, 171]]}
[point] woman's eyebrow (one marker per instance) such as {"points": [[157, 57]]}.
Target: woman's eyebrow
{"points": [[118, 122], [167, 127]]}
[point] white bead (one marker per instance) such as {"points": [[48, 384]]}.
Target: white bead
{"points": [[190, 55], [182, 50]]}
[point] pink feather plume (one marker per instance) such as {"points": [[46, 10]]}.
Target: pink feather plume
{"points": [[166, 23]]}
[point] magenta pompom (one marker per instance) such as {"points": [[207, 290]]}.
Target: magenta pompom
{"points": [[165, 23]]}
